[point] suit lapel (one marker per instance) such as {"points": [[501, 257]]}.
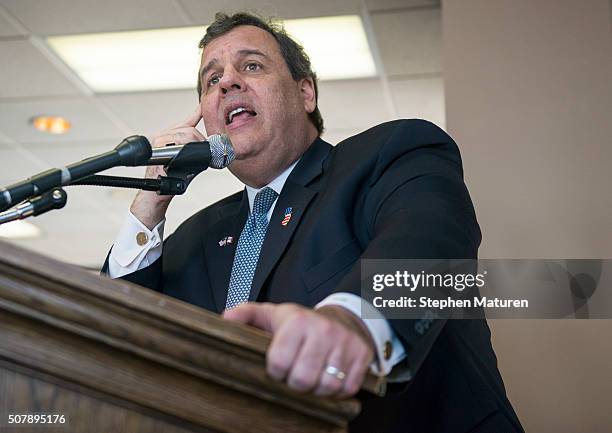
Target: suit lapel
{"points": [[220, 254], [295, 195]]}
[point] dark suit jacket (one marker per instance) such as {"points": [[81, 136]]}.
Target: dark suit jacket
{"points": [[393, 191]]}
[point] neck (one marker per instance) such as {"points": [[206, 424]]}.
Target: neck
{"points": [[259, 171]]}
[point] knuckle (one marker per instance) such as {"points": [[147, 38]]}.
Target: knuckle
{"points": [[302, 381], [352, 387], [277, 366]]}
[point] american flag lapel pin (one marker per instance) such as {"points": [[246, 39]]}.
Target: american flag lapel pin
{"points": [[287, 216], [226, 240]]}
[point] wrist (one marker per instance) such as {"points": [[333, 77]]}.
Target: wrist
{"points": [[150, 208]]}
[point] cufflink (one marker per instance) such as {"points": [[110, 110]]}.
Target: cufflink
{"points": [[388, 350], [142, 238]]}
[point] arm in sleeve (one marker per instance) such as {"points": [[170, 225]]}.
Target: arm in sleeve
{"points": [[417, 207], [136, 253]]}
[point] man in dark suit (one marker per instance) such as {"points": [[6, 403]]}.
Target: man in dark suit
{"points": [[291, 242]]}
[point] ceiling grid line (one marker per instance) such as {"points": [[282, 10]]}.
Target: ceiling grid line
{"points": [[401, 9], [71, 76], [14, 21], [180, 9], [370, 34]]}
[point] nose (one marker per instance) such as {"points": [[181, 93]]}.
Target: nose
{"points": [[231, 81]]}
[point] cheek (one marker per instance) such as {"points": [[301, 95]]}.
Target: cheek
{"points": [[210, 118]]}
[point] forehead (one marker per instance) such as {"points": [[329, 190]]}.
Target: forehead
{"points": [[239, 39]]}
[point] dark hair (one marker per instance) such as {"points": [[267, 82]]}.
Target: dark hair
{"points": [[295, 57]]}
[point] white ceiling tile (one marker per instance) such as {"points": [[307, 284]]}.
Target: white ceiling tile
{"points": [[26, 72], [61, 17], [150, 112], [420, 98], [8, 26], [88, 122], [352, 104], [204, 11], [16, 167], [410, 42], [380, 5]]}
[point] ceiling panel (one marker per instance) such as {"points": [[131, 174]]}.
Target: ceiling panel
{"points": [[150, 112], [410, 42], [88, 121], [8, 27], [379, 5], [422, 98], [27, 73], [16, 166], [352, 104], [60, 17], [204, 11]]}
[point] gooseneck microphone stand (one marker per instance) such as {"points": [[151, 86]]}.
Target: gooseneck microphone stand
{"points": [[180, 170]]}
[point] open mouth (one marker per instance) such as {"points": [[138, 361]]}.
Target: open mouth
{"points": [[238, 112]]}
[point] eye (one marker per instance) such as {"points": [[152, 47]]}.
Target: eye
{"points": [[213, 80], [252, 66]]}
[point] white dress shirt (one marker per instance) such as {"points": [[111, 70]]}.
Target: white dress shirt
{"points": [[137, 247]]}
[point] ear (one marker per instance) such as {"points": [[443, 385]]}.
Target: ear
{"points": [[309, 95]]}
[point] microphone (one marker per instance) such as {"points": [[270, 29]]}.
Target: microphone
{"points": [[216, 152], [131, 152]]}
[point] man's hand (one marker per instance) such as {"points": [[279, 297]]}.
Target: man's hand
{"points": [[149, 207], [305, 342]]}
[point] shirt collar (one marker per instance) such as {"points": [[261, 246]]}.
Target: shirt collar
{"points": [[277, 185]]}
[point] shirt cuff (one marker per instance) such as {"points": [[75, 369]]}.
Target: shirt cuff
{"points": [[389, 349], [135, 247]]}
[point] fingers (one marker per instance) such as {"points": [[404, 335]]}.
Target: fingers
{"points": [[192, 120], [179, 136], [254, 314], [330, 384], [283, 352], [304, 344], [306, 370], [355, 373], [181, 133]]}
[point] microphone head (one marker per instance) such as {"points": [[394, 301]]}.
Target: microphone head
{"points": [[221, 151]]}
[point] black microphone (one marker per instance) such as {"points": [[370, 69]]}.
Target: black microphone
{"points": [[131, 152], [216, 152]]}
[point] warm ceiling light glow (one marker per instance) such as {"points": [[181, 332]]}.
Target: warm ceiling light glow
{"points": [[169, 58], [51, 124], [19, 230]]}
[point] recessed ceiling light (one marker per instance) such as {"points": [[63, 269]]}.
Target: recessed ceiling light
{"points": [[19, 230], [169, 58], [51, 124]]}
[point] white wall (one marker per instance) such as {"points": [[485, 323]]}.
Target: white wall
{"points": [[528, 87]]}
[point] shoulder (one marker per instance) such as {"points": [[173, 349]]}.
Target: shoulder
{"points": [[405, 140]]}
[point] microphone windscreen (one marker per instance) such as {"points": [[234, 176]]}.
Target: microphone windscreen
{"points": [[221, 151]]}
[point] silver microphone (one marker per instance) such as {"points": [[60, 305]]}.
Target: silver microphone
{"points": [[221, 152]]}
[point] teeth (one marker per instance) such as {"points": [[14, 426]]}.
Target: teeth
{"points": [[234, 112]]}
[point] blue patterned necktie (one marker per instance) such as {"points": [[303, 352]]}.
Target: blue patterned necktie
{"points": [[249, 246]]}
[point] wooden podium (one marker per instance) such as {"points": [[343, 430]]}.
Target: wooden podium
{"points": [[110, 356]]}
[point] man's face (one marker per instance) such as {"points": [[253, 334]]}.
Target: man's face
{"points": [[249, 94]]}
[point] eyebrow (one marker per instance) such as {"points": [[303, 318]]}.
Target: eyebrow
{"points": [[241, 53]]}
